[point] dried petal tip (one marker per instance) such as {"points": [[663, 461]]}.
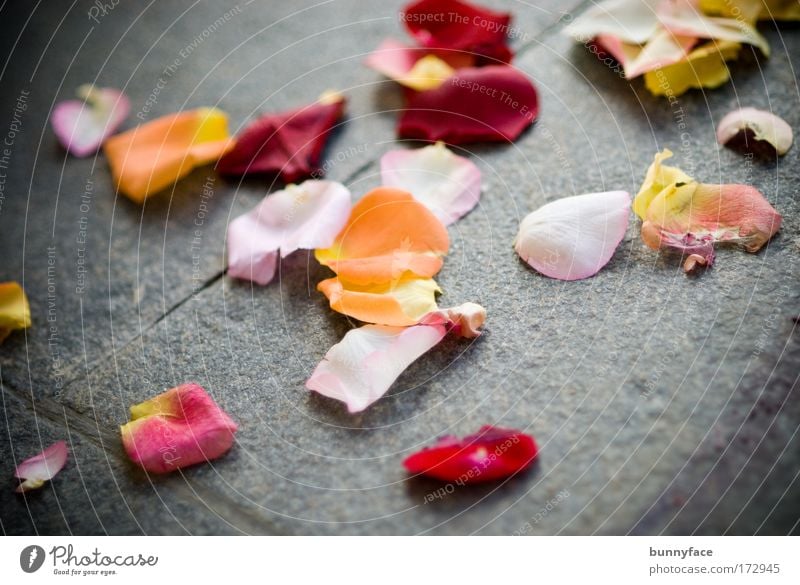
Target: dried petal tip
{"points": [[42, 467], [755, 130], [466, 319], [574, 237], [492, 453], [180, 427], [15, 312], [82, 126]]}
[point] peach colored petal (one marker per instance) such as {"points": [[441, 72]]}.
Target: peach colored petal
{"points": [[177, 428], [399, 303], [42, 467], [81, 126], [388, 235], [747, 125], [409, 66], [305, 216], [449, 185], [466, 319], [153, 156], [365, 363], [15, 312]]}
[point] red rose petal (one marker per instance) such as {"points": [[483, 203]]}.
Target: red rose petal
{"points": [[492, 453], [286, 143], [478, 104], [456, 25]]}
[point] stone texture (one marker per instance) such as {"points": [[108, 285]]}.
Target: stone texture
{"points": [[662, 404]]}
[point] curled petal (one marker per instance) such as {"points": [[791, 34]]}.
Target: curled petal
{"points": [[631, 21], [399, 303], [490, 104], [177, 428], [82, 126], [304, 216], [466, 319], [704, 67], [449, 185], [661, 50], [153, 156], [388, 234], [747, 127], [15, 312], [409, 66], [365, 363], [658, 177], [459, 26], [574, 237], [490, 454], [286, 143], [42, 467]]}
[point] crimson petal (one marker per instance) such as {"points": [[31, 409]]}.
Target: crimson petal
{"points": [[490, 454], [460, 26], [478, 104], [286, 143]]}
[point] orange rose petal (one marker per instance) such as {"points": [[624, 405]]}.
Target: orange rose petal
{"points": [[389, 235], [153, 156]]}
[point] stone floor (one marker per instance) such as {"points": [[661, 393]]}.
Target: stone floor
{"points": [[662, 404]]}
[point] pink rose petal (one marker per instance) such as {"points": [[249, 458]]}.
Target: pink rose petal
{"points": [[305, 216], [447, 184], [466, 319], [574, 237], [42, 467], [177, 428], [742, 126], [365, 363], [82, 126]]}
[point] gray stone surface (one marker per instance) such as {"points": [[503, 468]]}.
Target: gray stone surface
{"points": [[662, 404]]}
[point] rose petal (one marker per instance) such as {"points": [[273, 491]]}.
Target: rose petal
{"points": [[460, 26], [305, 216], [493, 104], [657, 179], [705, 67], [82, 126], [682, 17], [661, 50], [153, 156], [177, 428], [286, 143], [492, 453], [365, 363], [744, 126], [42, 467], [632, 21], [574, 237], [466, 319], [447, 184], [15, 312], [751, 10], [388, 235], [409, 66]]}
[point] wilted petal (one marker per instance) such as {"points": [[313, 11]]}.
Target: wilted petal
{"points": [[42, 467], [82, 126], [153, 156], [286, 143], [490, 454], [658, 177], [15, 312], [399, 303], [704, 68], [746, 127], [478, 104], [574, 237], [365, 363], [180, 427], [305, 216], [409, 66], [632, 21], [449, 185], [459, 26], [388, 234], [466, 319]]}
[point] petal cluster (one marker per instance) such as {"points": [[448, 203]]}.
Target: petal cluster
{"points": [[15, 311], [42, 467], [82, 126], [152, 156], [180, 427]]}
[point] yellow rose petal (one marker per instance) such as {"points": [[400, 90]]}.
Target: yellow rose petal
{"points": [[704, 68], [15, 312]]}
